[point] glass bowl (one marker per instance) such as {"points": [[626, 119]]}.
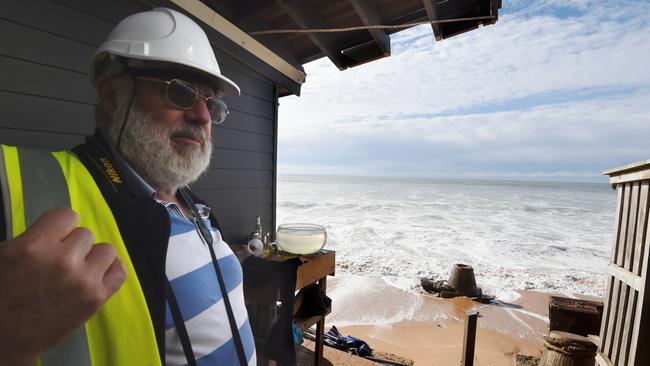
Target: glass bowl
{"points": [[301, 238]]}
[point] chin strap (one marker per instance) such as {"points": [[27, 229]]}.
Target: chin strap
{"points": [[126, 117]]}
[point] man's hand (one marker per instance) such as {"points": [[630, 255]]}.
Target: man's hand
{"points": [[52, 279]]}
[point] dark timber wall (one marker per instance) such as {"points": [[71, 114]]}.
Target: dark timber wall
{"points": [[46, 101]]}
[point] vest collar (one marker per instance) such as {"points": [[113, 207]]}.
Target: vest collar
{"points": [[116, 168]]}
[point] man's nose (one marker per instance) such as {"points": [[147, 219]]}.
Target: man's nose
{"points": [[199, 112]]}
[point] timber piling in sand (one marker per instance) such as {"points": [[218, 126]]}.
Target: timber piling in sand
{"points": [[469, 340], [567, 349]]}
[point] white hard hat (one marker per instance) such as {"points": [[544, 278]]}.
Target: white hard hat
{"points": [[163, 37]]}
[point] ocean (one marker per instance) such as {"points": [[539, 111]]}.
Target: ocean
{"points": [[518, 235]]}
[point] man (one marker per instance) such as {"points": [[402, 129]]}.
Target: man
{"points": [[163, 287]]}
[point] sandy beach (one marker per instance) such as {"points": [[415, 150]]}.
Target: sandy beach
{"points": [[429, 330]]}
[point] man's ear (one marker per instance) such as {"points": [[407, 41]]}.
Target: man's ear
{"points": [[105, 95]]}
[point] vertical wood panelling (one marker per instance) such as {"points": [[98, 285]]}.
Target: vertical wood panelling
{"points": [[628, 324], [619, 253], [604, 325], [642, 224], [622, 235], [620, 322], [620, 220], [636, 331], [624, 299], [631, 231], [612, 326]]}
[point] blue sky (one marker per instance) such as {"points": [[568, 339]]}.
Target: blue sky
{"points": [[555, 90]]}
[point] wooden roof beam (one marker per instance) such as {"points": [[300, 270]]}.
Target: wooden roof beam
{"points": [[217, 23], [306, 18], [431, 6], [369, 16]]}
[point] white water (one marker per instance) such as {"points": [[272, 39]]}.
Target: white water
{"points": [[553, 237]]}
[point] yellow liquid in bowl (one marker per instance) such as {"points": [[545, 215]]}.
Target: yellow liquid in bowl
{"points": [[301, 240]]}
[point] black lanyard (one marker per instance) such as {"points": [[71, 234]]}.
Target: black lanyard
{"points": [[205, 233], [179, 324]]}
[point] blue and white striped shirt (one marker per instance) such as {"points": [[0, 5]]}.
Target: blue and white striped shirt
{"points": [[194, 282]]}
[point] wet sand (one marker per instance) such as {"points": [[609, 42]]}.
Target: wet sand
{"points": [[429, 330]]}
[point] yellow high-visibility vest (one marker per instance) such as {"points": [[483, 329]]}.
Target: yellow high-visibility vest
{"points": [[121, 333]]}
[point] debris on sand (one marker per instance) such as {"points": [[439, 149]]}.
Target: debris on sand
{"points": [[522, 360], [461, 283]]}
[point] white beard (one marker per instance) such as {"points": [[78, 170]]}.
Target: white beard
{"points": [[146, 145]]}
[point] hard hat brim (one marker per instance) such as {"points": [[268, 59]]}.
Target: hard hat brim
{"points": [[220, 83]]}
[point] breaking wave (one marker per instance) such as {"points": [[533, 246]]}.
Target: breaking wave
{"points": [[517, 235]]}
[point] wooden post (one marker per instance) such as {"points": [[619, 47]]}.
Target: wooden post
{"points": [[469, 339], [320, 330]]}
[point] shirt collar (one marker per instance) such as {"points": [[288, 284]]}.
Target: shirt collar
{"points": [[204, 210]]}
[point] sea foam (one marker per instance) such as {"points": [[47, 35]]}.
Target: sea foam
{"points": [[553, 237]]}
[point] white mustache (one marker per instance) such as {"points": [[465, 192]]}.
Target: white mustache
{"points": [[190, 132]]}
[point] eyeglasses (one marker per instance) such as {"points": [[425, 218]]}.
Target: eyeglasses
{"points": [[184, 95]]}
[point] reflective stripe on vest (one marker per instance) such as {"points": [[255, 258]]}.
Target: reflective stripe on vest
{"points": [[4, 191], [121, 333]]}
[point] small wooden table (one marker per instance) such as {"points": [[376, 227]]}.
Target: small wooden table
{"points": [[261, 302], [315, 270]]}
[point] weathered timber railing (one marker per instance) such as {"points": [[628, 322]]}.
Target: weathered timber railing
{"points": [[625, 327]]}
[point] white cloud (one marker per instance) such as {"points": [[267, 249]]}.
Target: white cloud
{"points": [[579, 136], [533, 91]]}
